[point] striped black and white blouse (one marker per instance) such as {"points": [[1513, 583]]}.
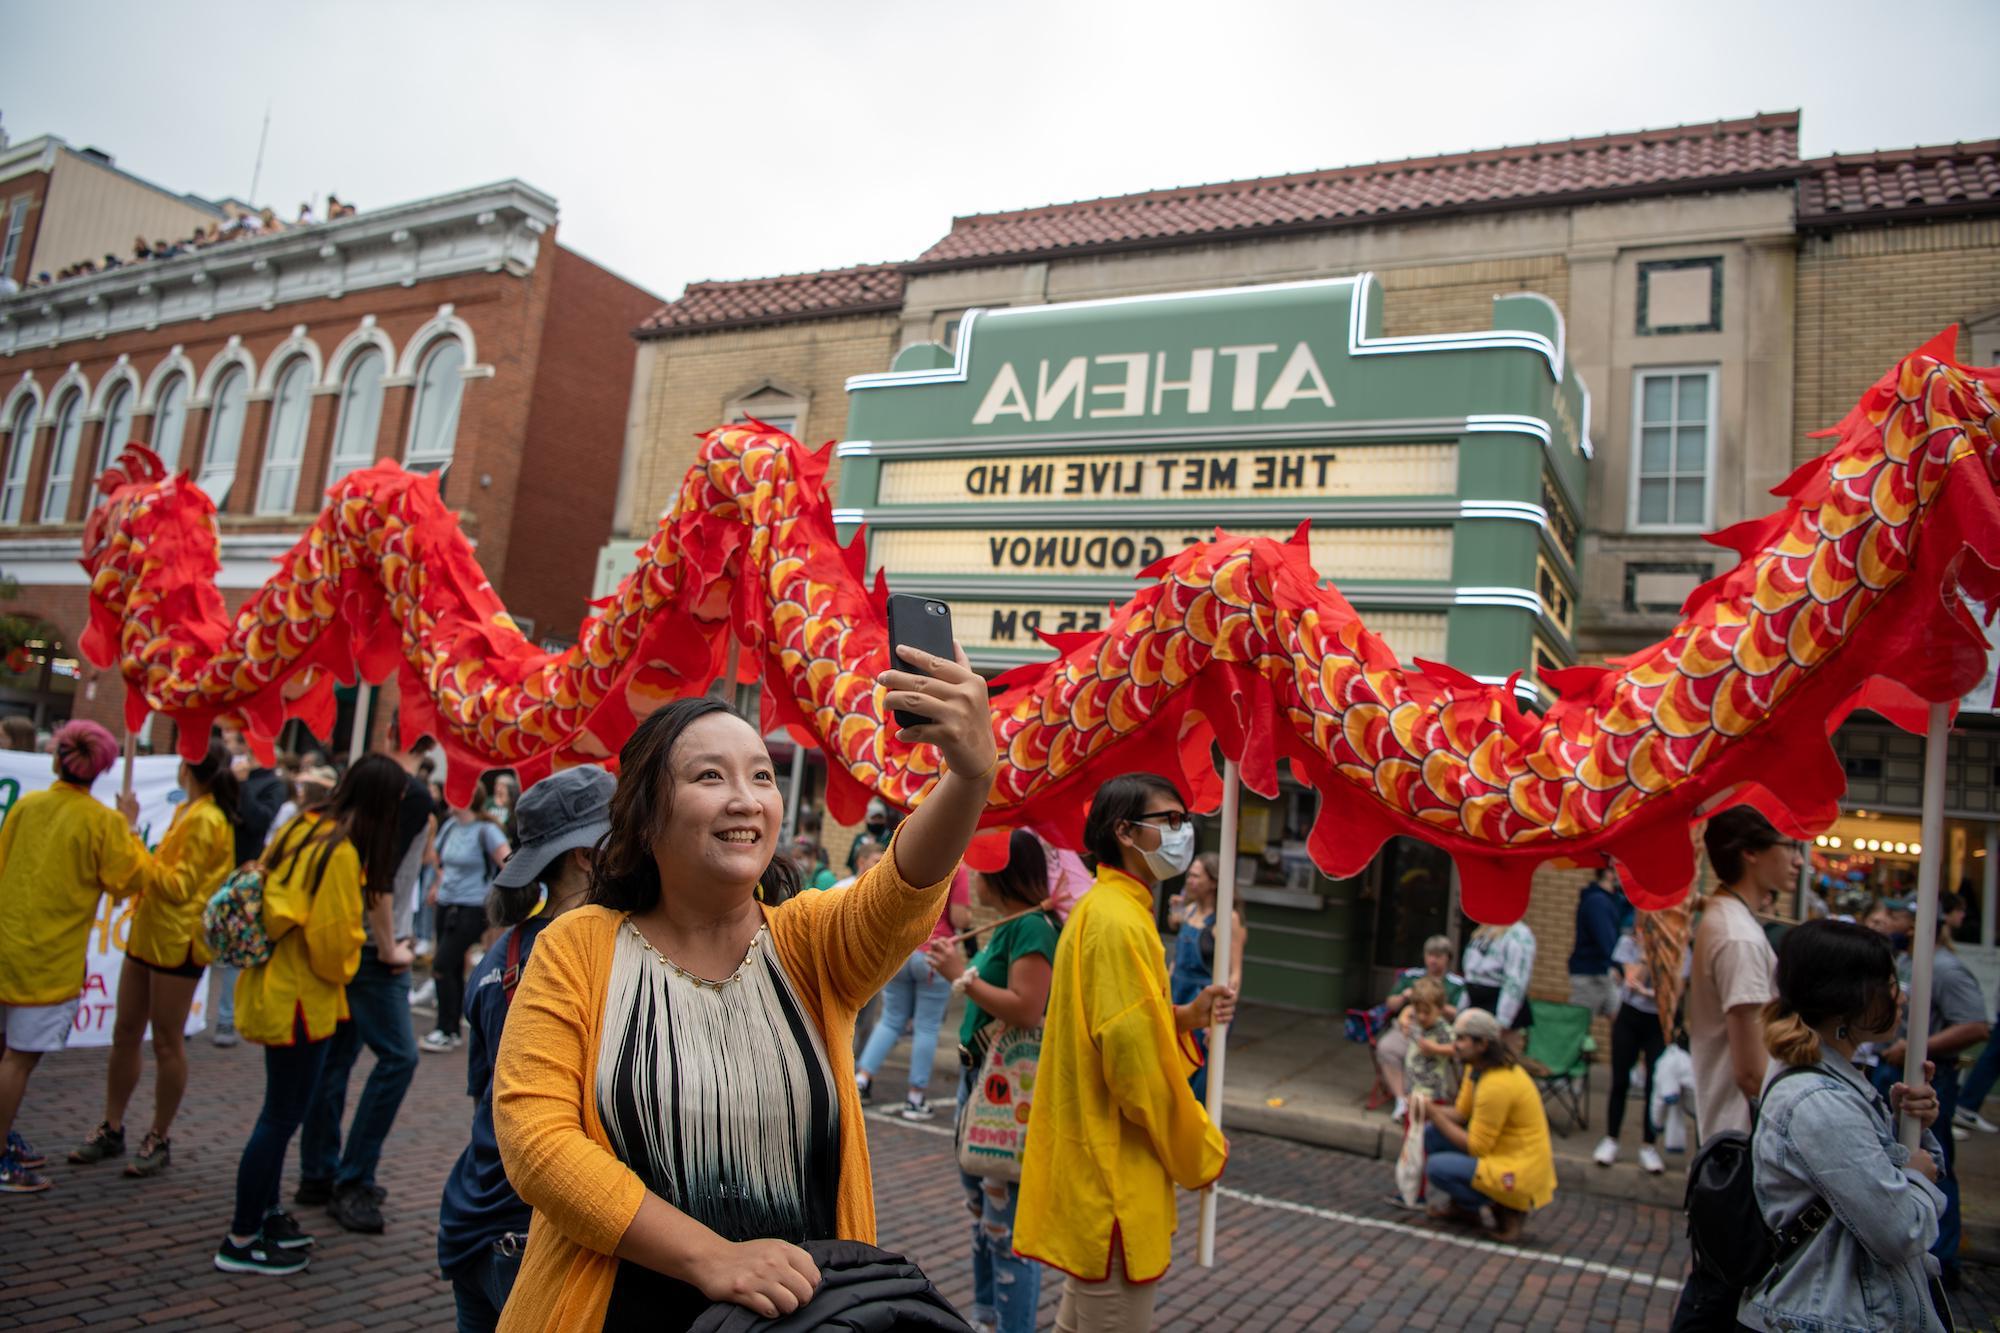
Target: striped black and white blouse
{"points": [[719, 1096]]}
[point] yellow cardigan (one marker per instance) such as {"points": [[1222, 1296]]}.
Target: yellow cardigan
{"points": [[838, 947], [60, 850], [1508, 1134], [317, 948], [174, 884], [1114, 1126]]}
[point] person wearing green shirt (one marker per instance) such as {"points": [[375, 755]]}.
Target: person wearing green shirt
{"points": [[1006, 985]]}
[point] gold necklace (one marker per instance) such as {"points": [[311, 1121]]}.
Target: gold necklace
{"points": [[748, 956]]}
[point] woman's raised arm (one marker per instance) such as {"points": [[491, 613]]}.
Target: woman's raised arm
{"points": [[932, 840]]}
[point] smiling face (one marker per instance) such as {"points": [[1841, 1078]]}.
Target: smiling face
{"points": [[723, 807]]}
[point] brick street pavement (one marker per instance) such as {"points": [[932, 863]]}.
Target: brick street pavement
{"points": [[1307, 1239]]}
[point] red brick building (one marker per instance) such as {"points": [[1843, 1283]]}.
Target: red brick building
{"points": [[452, 334]]}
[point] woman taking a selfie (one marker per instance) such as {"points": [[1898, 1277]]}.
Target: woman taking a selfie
{"points": [[675, 1093]]}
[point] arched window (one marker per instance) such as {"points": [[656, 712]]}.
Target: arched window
{"points": [[117, 432], [62, 457], [439, 386], [360, 416], [291, 411], [20, 449], [170, 417], [226, 411]]}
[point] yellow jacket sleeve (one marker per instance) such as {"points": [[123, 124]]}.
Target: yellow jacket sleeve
{"points": [[118, 859], [863, 933], [192, 857], [1489, 1117], [287, 904], [539, 1105], [1144, 1065], [333, 923]]}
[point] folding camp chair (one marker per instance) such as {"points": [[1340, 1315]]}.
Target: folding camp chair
{"points": [[1558, 1058]]}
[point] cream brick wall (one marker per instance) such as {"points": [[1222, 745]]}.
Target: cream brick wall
{"points": [[694, 377], [1869, 296], [1449, 298]]}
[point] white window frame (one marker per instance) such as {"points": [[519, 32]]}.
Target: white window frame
{"points": [[336, 466], [1640, 374], [204, 470], [184, 383], [124, 394], [17, 227], [435, 462], [287, 501], [20, 458], [75, 401]]}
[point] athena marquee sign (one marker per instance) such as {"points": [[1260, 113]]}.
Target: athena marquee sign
{"points": [[1028, 472]]}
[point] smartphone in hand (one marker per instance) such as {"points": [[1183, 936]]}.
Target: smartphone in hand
{"points": [[923, 623]]}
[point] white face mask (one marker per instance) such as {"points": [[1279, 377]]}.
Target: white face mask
{"points": [[1174, 854]]}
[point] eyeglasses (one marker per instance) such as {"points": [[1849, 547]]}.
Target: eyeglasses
{"points": [[1174, 818]]}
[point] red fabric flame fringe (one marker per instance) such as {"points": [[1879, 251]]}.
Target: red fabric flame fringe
{"points": [[357, 611]]}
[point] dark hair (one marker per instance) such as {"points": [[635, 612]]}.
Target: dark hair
{"points": [[363, 809], [512, 906], [1734, 833], [625, 877], [1120, 801], [1829, 970], [1025, 877], [219, 779]]}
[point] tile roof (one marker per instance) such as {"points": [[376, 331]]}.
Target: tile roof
{"points": [[1720, 154], [1900, 183], [708, 306]]}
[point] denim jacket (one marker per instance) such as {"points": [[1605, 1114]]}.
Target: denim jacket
{"points": [[1830, 1136]]}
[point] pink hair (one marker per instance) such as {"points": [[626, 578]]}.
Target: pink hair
{"points": [[84, 749]]}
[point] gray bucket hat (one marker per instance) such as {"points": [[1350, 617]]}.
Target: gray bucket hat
{"points": [[563, 811]]}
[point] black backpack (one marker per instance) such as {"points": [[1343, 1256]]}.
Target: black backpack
{"points": [[1726, 1229]]}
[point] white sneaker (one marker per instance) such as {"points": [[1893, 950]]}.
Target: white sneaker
{"points": [[1607, 1151], [1649, 1158], [435, 1040], [425, 994], [1400, 1110], [422, 948], [1967, 1119]]}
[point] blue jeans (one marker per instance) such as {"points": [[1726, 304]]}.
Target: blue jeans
{"points": [[916, 988], [379, 1001], [222, 998], [423, 921], [1005, 1286], [1985, 1070], [1451, 1170], [481, 1287], [1946, 1086], [289, 1075]]}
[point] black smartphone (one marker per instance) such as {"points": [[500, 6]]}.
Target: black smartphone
{"points": [[917, 622]]}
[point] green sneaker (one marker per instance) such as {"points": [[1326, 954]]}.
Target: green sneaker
{"points": [[155, 1155], [104, 1142]]}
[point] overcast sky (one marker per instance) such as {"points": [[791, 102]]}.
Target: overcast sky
{"points": [[741, 139]]}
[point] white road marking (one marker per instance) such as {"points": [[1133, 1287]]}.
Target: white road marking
{"points": [[1427, 1234]]}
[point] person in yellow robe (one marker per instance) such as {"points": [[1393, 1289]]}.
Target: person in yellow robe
{"points": [[1115, 1126], [1493, 1146], [165, 952], [61, 849]]}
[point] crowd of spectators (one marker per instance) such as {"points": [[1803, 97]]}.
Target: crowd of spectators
{"points": [[242, 225]]}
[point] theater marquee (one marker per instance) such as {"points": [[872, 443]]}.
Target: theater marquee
{"points": [[1029, 471]]}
